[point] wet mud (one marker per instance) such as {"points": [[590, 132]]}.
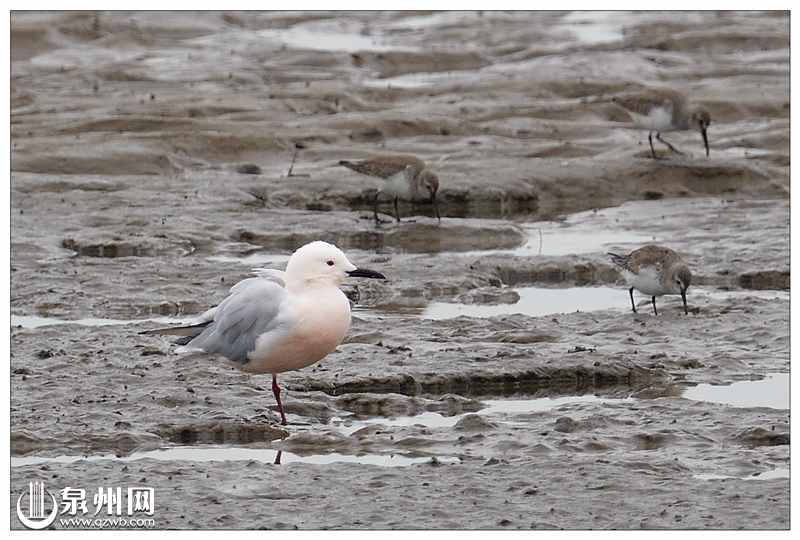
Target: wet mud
{"points": [[495, 380]]}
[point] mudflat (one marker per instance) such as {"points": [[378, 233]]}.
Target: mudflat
{"points": [[498, 378]]}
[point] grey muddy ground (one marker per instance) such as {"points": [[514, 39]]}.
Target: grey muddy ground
{"points": [[128, 130]]}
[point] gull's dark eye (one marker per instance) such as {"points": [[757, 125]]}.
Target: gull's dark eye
{"points": [[330, 263]]}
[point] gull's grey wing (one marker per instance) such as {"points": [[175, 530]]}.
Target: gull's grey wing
{"points": [[256, 306]]}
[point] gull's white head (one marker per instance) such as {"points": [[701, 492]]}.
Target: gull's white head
{"points": [[324, 264]]}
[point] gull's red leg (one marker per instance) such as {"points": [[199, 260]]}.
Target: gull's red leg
{"points": [[277, 391]]}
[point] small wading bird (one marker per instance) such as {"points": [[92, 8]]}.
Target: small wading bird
{"points": [[404, 176], [654, 271], [664, 110], [279, 321]]}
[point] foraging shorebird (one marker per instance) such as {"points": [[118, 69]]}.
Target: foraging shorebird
{"points": [[654, 271], [664, 110], [405, 176], [279, 321]]}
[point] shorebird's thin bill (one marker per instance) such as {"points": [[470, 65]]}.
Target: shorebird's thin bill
{"points": [[705, 139], [365, 273]]}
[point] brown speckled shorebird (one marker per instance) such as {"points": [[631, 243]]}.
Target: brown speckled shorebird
{"points": [[664, 110], [654, 271], [405, 176]]}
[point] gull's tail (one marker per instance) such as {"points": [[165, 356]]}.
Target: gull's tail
{"points": [[186, 333]]}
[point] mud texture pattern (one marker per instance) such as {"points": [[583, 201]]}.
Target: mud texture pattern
{"points": [[158, 157]]}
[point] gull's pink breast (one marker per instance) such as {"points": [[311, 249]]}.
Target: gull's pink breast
{"points": [[323, 319]]}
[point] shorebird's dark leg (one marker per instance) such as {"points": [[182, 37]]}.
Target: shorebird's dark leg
{"points": [[655, 311], [396, 211], [652, 150], [435, 204], [277, 391], [658, 136], [291, 166], [291, 172], [375, 209], [278, 458], [633, 304]]}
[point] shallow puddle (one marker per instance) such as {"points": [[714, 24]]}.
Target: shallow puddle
{"points": [[769, 475], [595, 26], [522, 406], [771, 392], [228, 453], [535, 302], [547, 240], [564, 241], [34, 321], [498, 409], [541, 301], [326, 36], [422, 80], [444, 18]]}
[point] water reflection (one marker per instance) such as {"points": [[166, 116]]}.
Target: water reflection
{"points": [[771, 392], [202, 454]]}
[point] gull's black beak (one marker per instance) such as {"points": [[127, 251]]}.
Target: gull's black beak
{"points": [[435, 204], [363, 272], [703, 131], [685, 307]]}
